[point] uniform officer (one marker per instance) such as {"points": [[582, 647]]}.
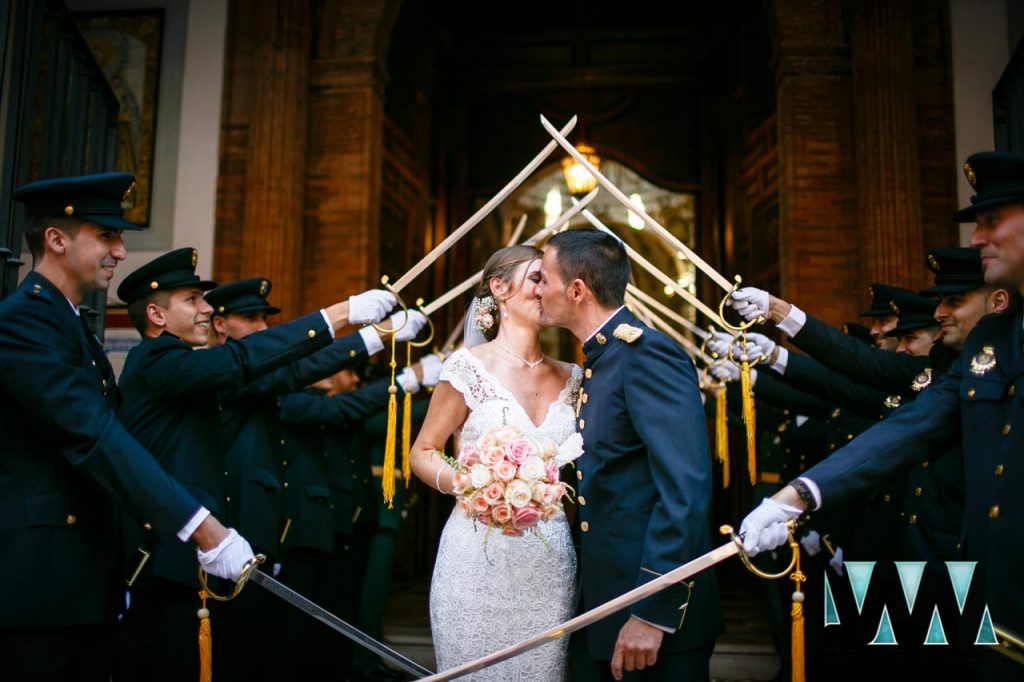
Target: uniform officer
{"points": [[645, 483], [171, 405], [68, 463], [255, 459], [978, 400]]}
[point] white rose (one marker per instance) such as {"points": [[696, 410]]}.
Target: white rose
{"points": [[479, 475], [518, 494], [532, 469], [569, 450]]}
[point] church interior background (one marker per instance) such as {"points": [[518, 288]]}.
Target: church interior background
{"points": [[811, 146]]}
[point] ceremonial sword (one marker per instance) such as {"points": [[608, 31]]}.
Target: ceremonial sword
{"points": [[330, 620], [687, 570]]}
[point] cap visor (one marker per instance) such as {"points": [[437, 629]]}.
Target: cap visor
{"points": [[944, 289], [114, 222], [969, 214]]}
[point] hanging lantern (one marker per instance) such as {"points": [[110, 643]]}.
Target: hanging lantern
{"points": [[577, 178]]}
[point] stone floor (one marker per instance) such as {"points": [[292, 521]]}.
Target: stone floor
{"points": [[744, 654]]}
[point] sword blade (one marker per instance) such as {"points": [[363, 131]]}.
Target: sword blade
{"points": [[676, 575], [289, 595]]}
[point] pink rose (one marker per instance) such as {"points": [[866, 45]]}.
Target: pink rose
{"points": [[501, 514], [492, 455], [538, 491], [526, 517], [553, 493], [551, 471], [520, 450], [505, 471], [506, 435], [518, 494], [468, 455], [461, 483], [493, 494], [479, 504], [464, 507]]}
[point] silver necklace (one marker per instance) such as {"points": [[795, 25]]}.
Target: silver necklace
{"points": [[519, 357]]}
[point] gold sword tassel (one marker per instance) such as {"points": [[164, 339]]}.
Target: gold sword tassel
{"points": [[797, 617], [407, 423], [388, 481], [722, 433], [205, 641]]}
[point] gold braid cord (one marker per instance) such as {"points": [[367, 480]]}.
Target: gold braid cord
{"points": [[205, 641], [749, 419], [388, 482], [722, 434], [407, 423]]}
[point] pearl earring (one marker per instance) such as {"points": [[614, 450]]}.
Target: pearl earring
{"points": [[504, 311]]}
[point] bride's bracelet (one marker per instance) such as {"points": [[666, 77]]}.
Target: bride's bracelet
{"points": [[437, 478]]}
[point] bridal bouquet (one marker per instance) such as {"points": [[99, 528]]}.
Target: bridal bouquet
{"points": [[507, 480]]}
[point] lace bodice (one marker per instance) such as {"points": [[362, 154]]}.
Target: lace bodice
{"points": [[491, 403], [490, 590]]}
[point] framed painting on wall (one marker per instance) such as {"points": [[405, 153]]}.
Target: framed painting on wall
{"points": [[127, 45]]}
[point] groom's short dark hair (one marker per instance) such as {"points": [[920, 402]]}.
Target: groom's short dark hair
{"points": [[596, 258]]}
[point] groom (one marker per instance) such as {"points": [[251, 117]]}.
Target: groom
{"points": [[645, 477]]}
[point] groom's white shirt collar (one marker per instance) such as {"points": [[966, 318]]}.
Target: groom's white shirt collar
{"points": [[601, 326]]}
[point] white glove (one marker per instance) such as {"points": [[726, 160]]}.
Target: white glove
{"points": [[836, 562], [227, 559], [719, 343], [431, 365], [726, 371], [407, 331], [750, 303], [407, 380], [765, 527], [757, 345], [811, 543], [370, 306]]}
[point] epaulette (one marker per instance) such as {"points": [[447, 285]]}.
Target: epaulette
{"points": [[627, 333], [39, 292]]}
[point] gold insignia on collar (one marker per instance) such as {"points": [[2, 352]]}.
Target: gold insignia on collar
{"points": [[264, 287], [627, 333], [195, 257], [983, 361], [893, 401], [128, 191], [893, 307], [932, 263], [969, 174], [601, 338], [922, 380]]}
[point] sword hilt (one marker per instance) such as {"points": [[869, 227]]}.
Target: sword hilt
{"points": [[243, 578], [745, 558]]}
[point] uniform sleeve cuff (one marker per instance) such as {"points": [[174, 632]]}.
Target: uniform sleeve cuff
{"points": [[372, 340], [186, 532], [781, 361], [655, 625], [794, 322], [328, 321], [815, 491]]}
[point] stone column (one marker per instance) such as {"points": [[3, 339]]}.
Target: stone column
{"points": [[818, 240], [886, 143], [343, 174]]}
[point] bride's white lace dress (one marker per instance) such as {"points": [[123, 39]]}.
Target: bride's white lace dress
{"points": [[485, 596]]}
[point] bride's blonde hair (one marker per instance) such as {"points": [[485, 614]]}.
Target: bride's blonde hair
{"points": [[502, 264]]}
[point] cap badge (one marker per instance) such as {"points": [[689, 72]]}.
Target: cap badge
{"points": [[601, 338], [124, 197], [195, 257], [922, 380], [933, 263], [69, 210], [264, 287], [983, 361], [893, 307], [969, 174], [893, 401], [627, 333], [871, 293]]}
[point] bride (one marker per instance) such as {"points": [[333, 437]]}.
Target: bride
{"points": [[490, 590]]}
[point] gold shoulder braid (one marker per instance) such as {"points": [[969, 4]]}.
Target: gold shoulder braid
{"points": [[627, 333], [922, 380]]}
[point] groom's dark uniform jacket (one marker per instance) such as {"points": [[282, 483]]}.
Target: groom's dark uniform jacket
{"points": [[644, 484]]}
